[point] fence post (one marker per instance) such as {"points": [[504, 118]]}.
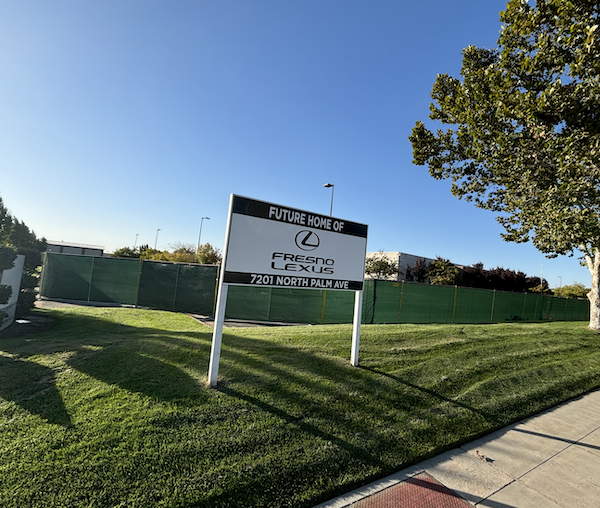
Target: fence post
{"points": [[400, 307], [541, 306], [429, 303], [535, 314], [374, 300], [323, 309], [139, 281], [493, 302], [43, 276], [91, 277], [176, 283], [216, 289], [454, 304]]}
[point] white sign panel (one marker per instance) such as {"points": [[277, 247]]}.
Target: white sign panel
{"points": [[274, 245]]}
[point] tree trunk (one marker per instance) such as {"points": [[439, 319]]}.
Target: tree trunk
{"points": [[593, 265]]}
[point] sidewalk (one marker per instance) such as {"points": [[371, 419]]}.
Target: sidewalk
{"points": [[551, 460]]}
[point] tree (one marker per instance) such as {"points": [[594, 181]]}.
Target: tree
{"points": [[379, 266], [535, 286], [147, 252], [209, 255], [7, 257], [499, 278], [524, 140], [474, 276], [181, 253], [16, 235], [441, 271], [418, 272], [126, 252], [143, 252], [576, 290]]}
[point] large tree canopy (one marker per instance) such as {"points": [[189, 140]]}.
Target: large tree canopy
{"points": [[524, 139]]}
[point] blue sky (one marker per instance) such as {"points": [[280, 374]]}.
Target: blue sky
{"points": [[122, 117]]}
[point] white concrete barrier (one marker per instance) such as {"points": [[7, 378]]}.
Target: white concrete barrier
{"points": [[12, 278]]}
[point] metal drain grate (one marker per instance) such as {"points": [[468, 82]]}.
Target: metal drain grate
{"points": [[421, 491]]}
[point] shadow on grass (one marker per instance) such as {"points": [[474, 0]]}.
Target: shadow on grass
{"points": [[488, 416], [323, 378], [300, 423], [135, 359], [32, 387], [362, 423], [288, 424], [118, 364]]}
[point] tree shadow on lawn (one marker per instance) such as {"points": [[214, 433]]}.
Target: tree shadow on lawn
{"points": [[486, 415], [117, 364], [374, 419], [152, 361], [32, 387], [135, 359], [283, 368], [360, 423]]}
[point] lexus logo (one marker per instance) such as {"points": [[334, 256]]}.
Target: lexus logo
{"points": [[307, 240]]}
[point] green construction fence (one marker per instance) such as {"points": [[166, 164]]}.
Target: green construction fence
{"points": [[158, 285], [192, 288]]}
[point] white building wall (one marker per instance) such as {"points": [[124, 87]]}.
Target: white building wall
{"points": [[12, 278], [402, 259], [405, 260]]}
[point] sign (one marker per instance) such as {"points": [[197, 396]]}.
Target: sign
{"points": [[277, 246]]}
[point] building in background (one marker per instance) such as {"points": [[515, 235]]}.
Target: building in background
{"points": [[411, 268], [74, 248]]}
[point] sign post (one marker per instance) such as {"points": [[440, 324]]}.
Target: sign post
{"points": [[358, 299], [215, 350], [276, 246]]}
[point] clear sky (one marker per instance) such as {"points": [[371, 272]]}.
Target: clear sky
{"points": [[122, 117]]}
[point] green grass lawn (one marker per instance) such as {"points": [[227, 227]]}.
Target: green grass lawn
{"points": [[110, 408]]}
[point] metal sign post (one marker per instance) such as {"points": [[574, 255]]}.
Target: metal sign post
{"points": [[271, 245], [358, 299], [215, 350]]}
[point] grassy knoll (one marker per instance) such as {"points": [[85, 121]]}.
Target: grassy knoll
{"points": [[110, 408]]}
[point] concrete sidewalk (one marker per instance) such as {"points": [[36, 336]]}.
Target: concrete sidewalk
{"points": [[551, 460]]}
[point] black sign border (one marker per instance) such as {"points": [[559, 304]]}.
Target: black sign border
{"points": [[245, 279], [260, 209]]}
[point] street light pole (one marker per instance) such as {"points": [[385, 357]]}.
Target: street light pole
{"points": [[156, 239], [331, 206], [135, 244], [200, 234]]}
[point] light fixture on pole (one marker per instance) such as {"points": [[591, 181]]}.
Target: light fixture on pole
{"points": [[156, 239], [331, 206], [200, 234]]}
